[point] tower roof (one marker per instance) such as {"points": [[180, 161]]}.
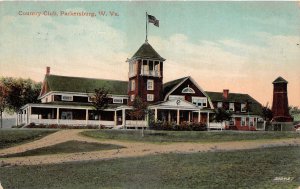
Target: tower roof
{"points": [[280, 80], [147, 51]]}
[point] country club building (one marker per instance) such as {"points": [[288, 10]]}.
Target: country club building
{"points": [[67, 100]]}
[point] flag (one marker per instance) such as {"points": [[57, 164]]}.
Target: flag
{"points": [[153, 20]]}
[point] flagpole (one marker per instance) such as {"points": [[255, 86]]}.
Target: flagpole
{"points": [[146, 27]]}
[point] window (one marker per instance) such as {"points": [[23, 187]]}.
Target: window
{"points": [[150, 97], [243, 121], [67, 98], [132, 85], [150, 84], [188, 90], [232, 121], [243, 107], [172, 97], [231, 106], [91, 99], [251, 121], [132, 97], [132, 69], [117, 100], [219, 105], [66, 115], [199, 101], [145, 68]]}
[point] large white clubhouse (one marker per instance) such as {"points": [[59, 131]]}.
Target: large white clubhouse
{"points": [[67, 100]]}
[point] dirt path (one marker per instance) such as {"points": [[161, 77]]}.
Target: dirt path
{"points": [[133, 149]]}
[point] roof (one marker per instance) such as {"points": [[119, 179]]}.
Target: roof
{"points": [[167, 87], [280, 80], [236, 97], [147, 51], [84, 85]]}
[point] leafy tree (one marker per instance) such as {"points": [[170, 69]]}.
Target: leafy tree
{"points": [[220, 115], [100, 100], [20, 92], [3, 103], [139, 108], [267, 113], [139, 111]]}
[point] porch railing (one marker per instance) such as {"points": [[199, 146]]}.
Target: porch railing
{"points": [[72, 122], [216, 125], [136, 123]]}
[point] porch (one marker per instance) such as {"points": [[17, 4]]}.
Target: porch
{"points": [[181, 111], [50, 114]]}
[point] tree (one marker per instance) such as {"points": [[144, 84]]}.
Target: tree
{"points": [[220, 115], [3, 101], [139, 111], [100, 100], [20, 92], [267, 113], [139, 108]]}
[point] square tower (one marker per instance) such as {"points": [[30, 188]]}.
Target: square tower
{"points": [[145, 75]]}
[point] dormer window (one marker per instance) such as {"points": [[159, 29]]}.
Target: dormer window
{"points": [[117, 100], [188, 90], [220, 105], [243, 107], [231, 106], [67, 98]]}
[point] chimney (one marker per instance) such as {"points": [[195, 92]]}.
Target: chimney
{"points": [[47, 70], [225, 93]]}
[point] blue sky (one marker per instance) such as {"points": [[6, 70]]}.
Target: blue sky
{"points": [[242, 46]]}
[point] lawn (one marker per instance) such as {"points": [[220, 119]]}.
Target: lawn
{"points": [[11, 137], [67, 147], [187, 136], [260, 168]]}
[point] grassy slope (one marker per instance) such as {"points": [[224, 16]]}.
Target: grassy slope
{"points": [[239, 169], [11, 137], [187, 136], [67, 147]]}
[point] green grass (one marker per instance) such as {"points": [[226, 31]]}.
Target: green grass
{"points": [[11, 137], [238, 169], [67, 147], [187, 136]]}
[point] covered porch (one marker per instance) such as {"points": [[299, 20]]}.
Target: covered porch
{"points": [[51, 114], [180, 111]]}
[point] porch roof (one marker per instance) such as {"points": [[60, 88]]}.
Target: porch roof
{"points": [[72, 105], [175, 104]]}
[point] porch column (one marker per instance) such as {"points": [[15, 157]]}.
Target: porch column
{"points": [[123, 117], [178, 117], [115, 118], [155, 114], [169, 116], [29, 114], [86, 116], [57, 115], [199, 116], [189, 117], [207, 119], [27, 117]]}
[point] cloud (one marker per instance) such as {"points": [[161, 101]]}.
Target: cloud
{"points": [[232, 64], [32, 43]]}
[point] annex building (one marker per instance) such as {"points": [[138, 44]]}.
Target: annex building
{"points": [[68, 100]]}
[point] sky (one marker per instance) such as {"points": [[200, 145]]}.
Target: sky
{"points": [[240, 46]]}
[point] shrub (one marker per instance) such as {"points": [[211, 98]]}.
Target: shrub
{"points": [[184, 126]]}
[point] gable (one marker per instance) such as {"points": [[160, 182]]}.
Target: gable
{"points": [[180, 87], [175, 104]]}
